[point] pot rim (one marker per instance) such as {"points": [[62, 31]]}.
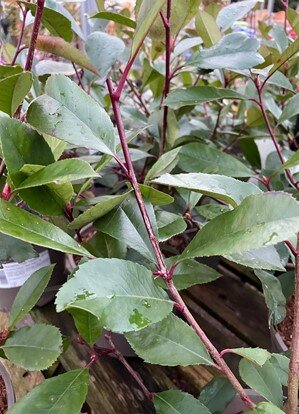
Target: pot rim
{"points": [[10, 395], [278, 338]]}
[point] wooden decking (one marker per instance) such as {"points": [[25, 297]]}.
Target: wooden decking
{"points": [[232, 312]]}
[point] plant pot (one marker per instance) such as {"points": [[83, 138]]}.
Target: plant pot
{"points": [[10, 396], [13, 275], [119, 340], [237, 406]]}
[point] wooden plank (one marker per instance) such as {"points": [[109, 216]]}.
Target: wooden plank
{"points": [[237, 305], [23, 381]]}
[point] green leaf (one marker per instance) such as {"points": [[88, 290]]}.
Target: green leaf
{"points": [[152, 344], [285, 56], [178, 402], [59, 47], [29, 294], [147, 14], [257, 355], [235, 11], [7, 70], [88, 325], [70, 114], [290, 110], [17, 250], [266, 408], [233, 51], [211, 210], [13, 91], [225, 188], [293, 18], [156, 197], [59, 172], [25, 226], [281, 364], [280, 80], [169, 224], [197, 157], [195, 95], [207, 28], [265, 258], [103, 245], [34, 347], [103, 51], [164, 164], [55, 22], [126, 225], [275, 299], [293, 161], [115, 17], [189, 273], [264, 380], [128, 291], [260, 220], [105, 205], [217, 394], [64, 393]]}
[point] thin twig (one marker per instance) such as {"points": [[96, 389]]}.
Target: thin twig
{"points": [[130, 369], [18, 48], [293, 382], [78, 77], [36, 25]]}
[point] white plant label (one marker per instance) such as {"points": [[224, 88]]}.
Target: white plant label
{"points": [[15, 274]]}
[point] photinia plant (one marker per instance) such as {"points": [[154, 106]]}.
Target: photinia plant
{"points": [[143, 156]]}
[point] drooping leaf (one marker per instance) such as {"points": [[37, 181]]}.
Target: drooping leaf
{"points": [[103, 50], [263, 379], [128, 291], [60, 47], [115, 17], [104, 206], [25, 226], [207, 28], [152, 344], [217, 394], [126, 225], [290, 110], [34, 347], [195, 95], [64, 393], [103, 245], [164, 164], [225, 188], [87, 324], [13, 90], [59, 172], [178, 402], [235, 11], [260, 220], [169, 224], [281, 363], [29, 294], [17, 250], [266, 258], [275, 299], [70, 114], [234, 51], [257, 355], [293, 161], [197, 157], [147, 14]]}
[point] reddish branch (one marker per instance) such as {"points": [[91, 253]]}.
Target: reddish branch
{"points": [[37, 21], [161, 266], [168, 47], [292, 403], [19, 48]]}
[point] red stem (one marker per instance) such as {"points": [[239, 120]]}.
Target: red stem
{"points": [[293, 382], [134, 374], [168, 47], [37, 21], [18, 48]]}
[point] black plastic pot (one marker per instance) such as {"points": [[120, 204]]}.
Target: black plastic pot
{"points": [[9, 291], [8, 386], [237, 406], [277, 342]]}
